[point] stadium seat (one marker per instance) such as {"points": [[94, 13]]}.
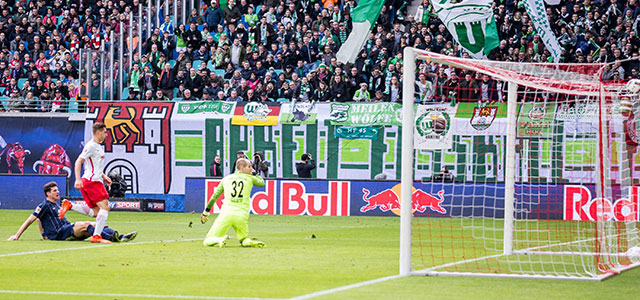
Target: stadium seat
{"points": [[283, 100], [125, 93], [172, 62], [210, 65], [175, 92], [219, 72], [278, 71], [200, 28], [2, 90], [21, 82], [196, 64], [5, 102], [73, 106], [177, 99]]}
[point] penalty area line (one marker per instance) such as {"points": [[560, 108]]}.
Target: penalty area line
{"points": [[344, 288], [53, 293], [95, 246]]}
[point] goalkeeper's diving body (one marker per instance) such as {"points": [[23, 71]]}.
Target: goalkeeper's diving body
{"points": [[235, 209]]}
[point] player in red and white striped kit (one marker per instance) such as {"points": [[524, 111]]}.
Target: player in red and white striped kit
{"points": [[91, 184]]}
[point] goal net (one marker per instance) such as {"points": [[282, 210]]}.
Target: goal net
{"points": [[540, 178]]}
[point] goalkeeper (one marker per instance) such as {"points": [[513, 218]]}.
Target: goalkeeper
{"points": [[235, 210]]}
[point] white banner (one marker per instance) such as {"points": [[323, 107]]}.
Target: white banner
{"points": [[538, 14], [433, 126]]}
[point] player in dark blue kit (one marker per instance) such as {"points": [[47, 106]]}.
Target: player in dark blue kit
{"points": [[54, 228]]}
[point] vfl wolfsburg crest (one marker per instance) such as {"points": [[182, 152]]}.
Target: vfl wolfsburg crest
{"points": [[472, 24], [256, 111], [433, 124], [483, 117]]}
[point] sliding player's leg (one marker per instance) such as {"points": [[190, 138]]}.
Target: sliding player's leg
{"points": [[83, 230], [217, 235], [81, 208]]}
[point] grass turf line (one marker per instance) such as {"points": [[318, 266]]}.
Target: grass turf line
{"points": [[346, 250]]}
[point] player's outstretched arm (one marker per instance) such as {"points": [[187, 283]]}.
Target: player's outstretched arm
{"points": [[205, 214], [24, 227], [77, 169]]}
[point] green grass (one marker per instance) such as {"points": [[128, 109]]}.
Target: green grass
{"points": [[164, 260]]}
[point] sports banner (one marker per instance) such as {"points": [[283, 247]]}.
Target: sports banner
{"points": [[433, 126], [366, 114], [206, 107], [480, 119], [298, 113], [256, 113], [138, 143], [428, 199], [536, 119], [577, 117], [369, 133], [31, 145]]}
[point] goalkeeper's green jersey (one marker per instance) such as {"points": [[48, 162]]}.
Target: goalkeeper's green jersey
{"points": [[237, 192]]}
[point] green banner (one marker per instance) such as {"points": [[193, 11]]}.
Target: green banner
{"points": [[215, 107], [536, 119], [366, 133], [366, 114]]}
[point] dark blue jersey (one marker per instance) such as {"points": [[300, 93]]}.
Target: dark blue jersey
{"points": [[47, 212]]}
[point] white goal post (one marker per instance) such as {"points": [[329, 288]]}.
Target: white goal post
{"points": [[560, 202]]}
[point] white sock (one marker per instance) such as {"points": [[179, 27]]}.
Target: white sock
{"points": [[83, 209], [101, 220]]}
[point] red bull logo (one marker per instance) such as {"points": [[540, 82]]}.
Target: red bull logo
{"points": [[389, 200], [14, 152], [54, 161]]}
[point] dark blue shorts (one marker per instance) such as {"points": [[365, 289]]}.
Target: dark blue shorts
{"points": [[65, 232]]}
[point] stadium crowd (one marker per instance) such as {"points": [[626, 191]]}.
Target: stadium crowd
{"points": [[281, 50]]}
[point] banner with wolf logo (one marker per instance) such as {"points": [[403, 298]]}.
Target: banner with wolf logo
{"points": [[298, 113], [138, 143]]}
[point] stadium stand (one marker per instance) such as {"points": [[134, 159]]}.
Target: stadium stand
{"points": [[262, 45]]}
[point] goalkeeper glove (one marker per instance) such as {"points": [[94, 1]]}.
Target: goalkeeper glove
{"points": [[205, 216]]}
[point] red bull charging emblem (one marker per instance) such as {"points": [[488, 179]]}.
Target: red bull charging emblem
{"points": [[389, 200]]}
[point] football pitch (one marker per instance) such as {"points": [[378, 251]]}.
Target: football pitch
{"points": [[305, 258]]}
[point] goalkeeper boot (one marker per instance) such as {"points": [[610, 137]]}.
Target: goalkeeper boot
{"points": [[66, 205], [129, 237], [252, 243], [216, 241]]}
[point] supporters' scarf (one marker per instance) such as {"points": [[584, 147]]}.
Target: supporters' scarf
{"points": [[343, 36], [135, 76]]}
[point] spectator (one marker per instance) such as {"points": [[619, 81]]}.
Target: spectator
{"points": [[305, 166], [215, 169]]}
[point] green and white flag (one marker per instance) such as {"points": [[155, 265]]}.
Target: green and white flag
{"points": [[471, 23], [363, 17], [538, 14]]}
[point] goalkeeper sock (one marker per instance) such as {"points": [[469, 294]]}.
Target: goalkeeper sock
{"points": [[83, 209], [101, 220]]}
